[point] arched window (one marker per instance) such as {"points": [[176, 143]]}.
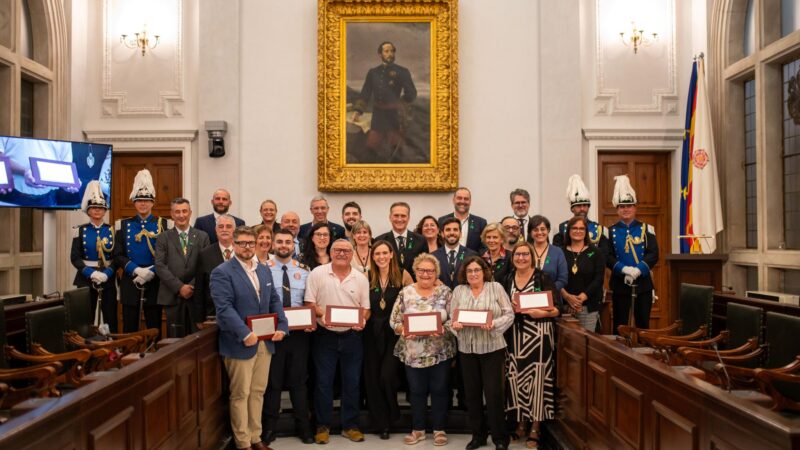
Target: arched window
{"points": [[29, 78], [757, 57]]}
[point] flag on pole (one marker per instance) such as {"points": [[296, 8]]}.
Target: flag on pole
{"points": [[701, 208]]}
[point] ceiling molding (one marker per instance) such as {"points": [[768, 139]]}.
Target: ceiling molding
{"points": [[643, 134], [140, 135]]}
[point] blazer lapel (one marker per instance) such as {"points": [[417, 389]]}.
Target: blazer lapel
{"points": [[175, 238], [245, 278]]}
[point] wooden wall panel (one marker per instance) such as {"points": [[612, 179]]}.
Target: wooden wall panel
{"points": [[627, 413], [158, 416], [153, 403], [672, 431], [114, 433], [649, 405]]}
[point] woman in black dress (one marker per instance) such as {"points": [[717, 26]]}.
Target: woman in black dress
{"points": [[583, 293], [317, 247], [382, 370]]}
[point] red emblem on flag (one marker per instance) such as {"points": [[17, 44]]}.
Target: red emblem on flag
{"points": [[700, 158]]}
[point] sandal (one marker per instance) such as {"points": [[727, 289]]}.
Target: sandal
{"points": [[532, 441], [519, 433], [414, 437], [439, 438]]}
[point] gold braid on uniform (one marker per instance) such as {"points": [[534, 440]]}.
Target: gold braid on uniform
{"points": [[596, 239], [150, 235], [102, 249], [630, 241]]}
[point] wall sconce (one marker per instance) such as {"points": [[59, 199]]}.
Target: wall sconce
{"points": [[637, 39], [139, 41]]}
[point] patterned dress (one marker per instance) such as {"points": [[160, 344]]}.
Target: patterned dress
{"points": [[530, 364]]}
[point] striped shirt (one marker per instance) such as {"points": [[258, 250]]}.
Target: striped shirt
{"points": [[493, 297]]}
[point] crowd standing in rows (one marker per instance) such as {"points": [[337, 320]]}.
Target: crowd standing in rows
{"points": [[219, 267]]}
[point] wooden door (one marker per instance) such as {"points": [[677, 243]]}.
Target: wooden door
{"points": [[649, 173], [166, 169]]}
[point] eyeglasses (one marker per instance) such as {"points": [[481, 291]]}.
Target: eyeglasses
{"points": [[474, 271], [425, 271], [522, 255], [511, 227], [246, 244], [322, 235], [342, 251]]}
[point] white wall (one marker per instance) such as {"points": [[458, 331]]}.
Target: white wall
{"points": [[528, 97], [506, 81]]}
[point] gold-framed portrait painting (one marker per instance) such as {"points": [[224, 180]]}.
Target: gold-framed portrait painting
{"points": [[388, 95]]}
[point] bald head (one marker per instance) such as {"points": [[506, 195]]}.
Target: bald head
{"points": [[291, 221], [221, 201]]}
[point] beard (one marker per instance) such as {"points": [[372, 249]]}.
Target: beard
{"points": [[283, 253]]}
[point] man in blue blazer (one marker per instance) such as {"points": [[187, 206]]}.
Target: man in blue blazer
{"points": [[452, 254], [221, 201], [471, 225], [240, 287]]}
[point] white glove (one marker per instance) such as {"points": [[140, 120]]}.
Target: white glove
{"points": [[628, 270], [636, 273], [141, 272], [629, 280], [139, 281], [96, 278], [148, 274], [99, 277]]}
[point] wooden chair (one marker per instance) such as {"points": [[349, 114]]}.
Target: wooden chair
{"points": [[694, 309], [82, 334], [44, 335], [782, 384], [782, 348], [24, 382]]}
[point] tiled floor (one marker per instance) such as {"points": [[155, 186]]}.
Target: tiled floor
{"points": [[456, 441]]}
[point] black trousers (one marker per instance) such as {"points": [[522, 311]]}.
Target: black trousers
{"points": [[130, 318], [180, 320], [621, 302], [484, 377], [381, 381], [289, 370], [109, 305]]}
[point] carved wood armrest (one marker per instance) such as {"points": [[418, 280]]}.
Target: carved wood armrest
{"points": [[767, 379], [664, 331], [791, 367], [42, 356], [671, 341], [40, 373]]}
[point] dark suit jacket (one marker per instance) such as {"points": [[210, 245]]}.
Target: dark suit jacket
{"points": [[415, 245], [236, 299], [475, 226], [210, 258], [337, 231], [209, 224], [174, 269], [441, 255]]}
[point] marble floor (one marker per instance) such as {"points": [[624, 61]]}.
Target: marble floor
{"points": [[456, 441]]}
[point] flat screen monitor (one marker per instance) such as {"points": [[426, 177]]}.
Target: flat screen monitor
{"points": [[50, 174]]}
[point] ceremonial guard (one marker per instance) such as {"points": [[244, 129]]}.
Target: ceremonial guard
{"points": [[91, 255], [135, 254], [633, 252], [579, 204]]}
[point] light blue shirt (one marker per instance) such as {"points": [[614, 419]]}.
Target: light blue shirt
{"points": [[297, 279]]}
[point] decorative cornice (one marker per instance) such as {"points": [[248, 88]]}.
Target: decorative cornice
{"points": [[140, 135], [631, 134]]}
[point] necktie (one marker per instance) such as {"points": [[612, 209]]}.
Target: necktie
{"points": [[451, 261], [184, 242], [227, 254], [287, 290], [401, 242]]}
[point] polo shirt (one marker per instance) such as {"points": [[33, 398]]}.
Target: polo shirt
{"points": [[323, 288]]}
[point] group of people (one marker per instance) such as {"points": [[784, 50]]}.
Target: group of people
{"points": [[458, 261]]}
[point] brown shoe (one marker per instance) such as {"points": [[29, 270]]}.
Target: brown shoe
{"points": [[322, 436], [354, 434], [260, 446]]}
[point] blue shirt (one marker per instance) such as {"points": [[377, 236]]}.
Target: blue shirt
{"points": [[297, 279]]}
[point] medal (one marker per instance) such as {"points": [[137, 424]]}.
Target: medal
{"points": [[575, 267]]}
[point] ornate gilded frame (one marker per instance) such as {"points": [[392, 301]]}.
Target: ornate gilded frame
{"points": [[441, 172]]}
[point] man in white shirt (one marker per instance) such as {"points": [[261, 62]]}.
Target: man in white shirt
{"points": [[336, 284], [471, 225], [221, 202], [210, 258], [520, 204]]}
